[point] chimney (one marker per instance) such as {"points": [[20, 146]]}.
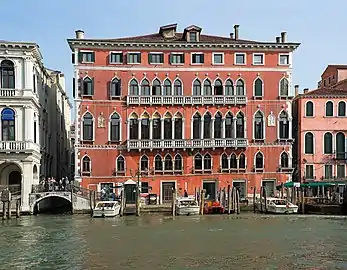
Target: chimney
{"points": [[236, 28], [232, 35], [278, 39], [284, 37], [79, 34], [305, 90], [296, 87]]}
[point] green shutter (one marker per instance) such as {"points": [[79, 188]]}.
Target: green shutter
{"points": [[73, 58], [128, 56], [80, 57], [74, 87], [162, 58], [93, 56], [92, 87], [170, 58], [121, 58], [183, 56], [202, 58], [149, 58], [139, 57]]}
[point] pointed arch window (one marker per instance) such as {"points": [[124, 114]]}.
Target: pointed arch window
{"points": [[120, 164], [207, 88], [342, 108], [178, 163], [167, 88], [7, 74], [328, 143], [178, 88], [196, 126], [144, 164], [156, 88], [233, 161], [258, 88], [86, 165], [218, 88], [242, 161], [207, 162], [240, 126], [207, 125], [197, 88], [115, 89], [284, 125], [218, 126], [329, 109], [309, 108], [88, 123], [145, 89], [8, 125], [240, 88], [158, 163], [308, 143], [225, 162], [88, 86], [178, 127], [229, 88], [156, 122], [284, 160], [133, 88], [133, 128], [145, 127], [340, 146], [198, 162], [258, 126], [167, 127], [284, 88], [229, 126], [168, 163], [259, 161], [115, 127]]}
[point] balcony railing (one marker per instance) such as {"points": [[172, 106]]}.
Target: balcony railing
{"points": [[186, 100], [4, 92], [18, 146], [186, 143]]}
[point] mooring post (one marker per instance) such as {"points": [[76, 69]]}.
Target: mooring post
{"points": [[261, 199], [303, 201], [282, 191], [9, 209], [138, 203], [254, 197], [229, 200], [202, 202], [91, 202], [265, 199], [173, 203], [18, 203], [71, 197], [94, 198], [237, 202], [121, 203], [232, 199], [4, 208], [235, 199]]}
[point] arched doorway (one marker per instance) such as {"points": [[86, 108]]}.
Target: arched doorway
{"points": [[11, 177], [15, 182], [35, 175]]}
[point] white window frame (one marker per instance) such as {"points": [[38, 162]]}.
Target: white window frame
{"points": [[332, 171], [131, 52], [176, 53], [279, 59], [117, 52], [344, 167], [235, 57], [313, 115], [313, 176], [191, 58], [160, 53], [86, 51], [220, 53], [258, 54]]}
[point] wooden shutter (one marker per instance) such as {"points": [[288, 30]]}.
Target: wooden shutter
{"points": [[73, 58], [92, 87], [73, 87], [80, 57], [93, 56], [149, 58], [202, 58], [139, 57], [121, 58], [162, 58], [170, 58]]}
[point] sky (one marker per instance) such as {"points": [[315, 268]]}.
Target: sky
{"points": [[319, 26]]}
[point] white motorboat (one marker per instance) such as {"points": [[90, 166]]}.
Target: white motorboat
{"points": [[107, 209], [277, 206], [187, 206]]}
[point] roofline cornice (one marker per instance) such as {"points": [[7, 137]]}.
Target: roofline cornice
{"points": [[23, 46], [101, 44], [322, 96]]}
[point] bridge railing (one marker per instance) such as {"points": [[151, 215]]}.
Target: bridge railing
{"points": [[86, 193]]}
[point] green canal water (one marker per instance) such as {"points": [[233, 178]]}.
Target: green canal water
{"points": [[246, 241]]}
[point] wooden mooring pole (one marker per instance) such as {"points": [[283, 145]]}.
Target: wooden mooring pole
{"points": [[4, 209], [261, 199], [91, 203], [173, 203], [18, 204], [202, 202], [229, 200], [237, 201], [122, 203], [254, 198], [265, 199], [71, 197]]}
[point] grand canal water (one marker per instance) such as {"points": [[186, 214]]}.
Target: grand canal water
{"points": [[157, 242]]}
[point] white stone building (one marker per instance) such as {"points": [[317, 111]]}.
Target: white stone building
{"points": [[34, 120]]}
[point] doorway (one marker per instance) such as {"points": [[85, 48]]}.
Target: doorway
{"points": [[240, 185], [167, 188], [270, 187], [14, 182], [211, 190], [130, 193]]}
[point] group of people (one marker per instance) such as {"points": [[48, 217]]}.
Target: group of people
{"points": [[52, 184]]}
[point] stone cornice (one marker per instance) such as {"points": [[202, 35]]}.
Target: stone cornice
{"points": [[24, 46]]}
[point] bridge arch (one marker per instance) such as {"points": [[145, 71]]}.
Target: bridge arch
{"points": [[52, 203]]}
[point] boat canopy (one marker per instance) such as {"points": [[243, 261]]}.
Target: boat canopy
{"points": [[315, 184]]}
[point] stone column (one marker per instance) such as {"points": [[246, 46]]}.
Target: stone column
{"points": [[202, 128], [28, 73], [223, 128], [27, 182], [162, 128], [183, 129], [128, 129], [28, 122], [150, 129], [290, 124], [234, 126], [173, 128], [139, 130], [212, 128]]}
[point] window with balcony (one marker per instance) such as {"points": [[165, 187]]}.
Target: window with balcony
{"points": [[156, 121], [115, 88], [133, 128], [229, 126], [341, 109], [329, 109], [120, 164], [145, 89], [340, 171], [309, 145], [240, 88], [168, 165], [328, 171], [156, 88], [229, 88], [198, 162], [240, 125], [116, 58], [178, 126], [284, 160], [207, 125], [225, 162], [145, 127], [8, 124], [134, 58], [7, 74], [178, 88], [134, 88], [155, 58], [218, 88], [284, 87], [167, 88], [197, 126], [144, 166], [176, 58], [88, 127], [259, 126], [197, 88], [258, 88], [309, 172], [167, 127], [328, 143], [207, 88], [86, 165], [340, 146], [158, 163], [88, 87], [242, 161], [259, 161], [233, 161], [309, 109], [284, 125], [218, 125], [178, 163], [115, 127], [207, 162]]}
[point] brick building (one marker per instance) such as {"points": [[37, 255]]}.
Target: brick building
{"points": [[184, 109]]}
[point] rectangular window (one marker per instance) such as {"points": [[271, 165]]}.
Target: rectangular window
{"points": [[218, 58], [240, 185], [86, 57], [176, 58], [328, 171], [240, 59], [340, 171], [284, 59], [155, 58], [258, 59], [309, 172], [144, 187], [197, 58], [116, 58], [193, 37], [134, 58]]}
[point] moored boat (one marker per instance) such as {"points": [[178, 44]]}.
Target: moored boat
{"points": [[277, 206], [107, 209], [187, 206]]}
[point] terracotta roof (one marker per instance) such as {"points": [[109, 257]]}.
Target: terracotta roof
{"points": [[338, 66], [324, 91]]}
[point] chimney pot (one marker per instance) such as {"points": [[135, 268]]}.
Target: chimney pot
{"points": [[236, 28], [305, 90], [278, 39], [296, 87], [232, 35], [284, 37], [79, 34]]}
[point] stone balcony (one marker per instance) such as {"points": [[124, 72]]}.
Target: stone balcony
{"points": [[186, 144], [18, 147], [186, 100], [17, 93]]}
